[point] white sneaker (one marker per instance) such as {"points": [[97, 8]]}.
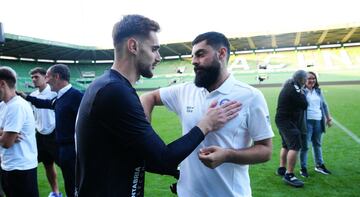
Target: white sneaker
{"points": [[54, 194]]}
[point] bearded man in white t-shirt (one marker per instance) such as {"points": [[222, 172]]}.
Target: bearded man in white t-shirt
{"points": [[18, 158], [219, 165]]}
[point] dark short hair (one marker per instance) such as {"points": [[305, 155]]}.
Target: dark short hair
{"points": [[39, 70], [316, 85], [215, 40], [62, 70], [133, 25], [8, 75]]}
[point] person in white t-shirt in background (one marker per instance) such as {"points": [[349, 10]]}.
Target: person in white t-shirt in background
{"points": [[219, 165], [18, 157], [2, 114], [45, 125]]}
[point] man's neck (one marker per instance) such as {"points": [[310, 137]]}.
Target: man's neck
{"points": [[62, 85], [126, 69], [222, 78], [9, 95], [41, 88]]}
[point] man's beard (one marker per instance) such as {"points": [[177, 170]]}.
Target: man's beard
{"points": [[208, 74], [145, 70]]}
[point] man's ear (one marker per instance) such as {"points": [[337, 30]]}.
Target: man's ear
{"points": [[2, 83], [56, 76], [222, 53], [132, 45]]}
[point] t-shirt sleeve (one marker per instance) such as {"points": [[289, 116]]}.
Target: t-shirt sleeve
{"points": [[170, 97], [14, 119], [259, 119]]}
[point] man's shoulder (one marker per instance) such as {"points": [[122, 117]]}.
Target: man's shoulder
{"points": [[245, 88], [17, 102], [35, 93], [289, 88], [45, 94], [75, 92], [112, 89], [186, 87], [240, 84], [110, 80]]}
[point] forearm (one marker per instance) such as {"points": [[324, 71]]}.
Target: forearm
{"points": [[4, 143], [148, 106], [179, 149], [7, 139], [40, 103], [165, 159], [258, 153], [161, 170], [148, 101]]}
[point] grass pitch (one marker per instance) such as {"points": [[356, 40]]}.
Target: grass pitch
{"points": [[341, 153]]}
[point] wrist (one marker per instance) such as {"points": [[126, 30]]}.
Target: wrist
{"points": [[228, 155], [203, 127]]}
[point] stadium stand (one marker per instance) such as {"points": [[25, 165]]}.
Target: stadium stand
{"points": [[254, 58]]}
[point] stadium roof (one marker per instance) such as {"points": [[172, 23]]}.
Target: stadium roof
{"points": [[27, 47]]}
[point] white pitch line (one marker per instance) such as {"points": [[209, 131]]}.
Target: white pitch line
{"points": [[347, 131]]}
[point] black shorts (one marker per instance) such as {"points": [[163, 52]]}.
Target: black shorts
{"points": [[290, 136], [20, 183], [48, 150]]}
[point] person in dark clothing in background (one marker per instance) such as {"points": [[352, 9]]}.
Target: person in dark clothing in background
{"points": [[115, 142], [290, 122], [45, 126], [66, 105]]}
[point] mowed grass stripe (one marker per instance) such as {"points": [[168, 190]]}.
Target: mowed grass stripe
{"points": [[347, 131]]}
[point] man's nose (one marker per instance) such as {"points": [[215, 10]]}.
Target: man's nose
{"points": [[194, 61], [158, 57]]}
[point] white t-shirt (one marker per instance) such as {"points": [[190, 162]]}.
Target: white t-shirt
{"points": [[313, 109], [44, 118], [2, 113], [20, 119], [190, 103]]}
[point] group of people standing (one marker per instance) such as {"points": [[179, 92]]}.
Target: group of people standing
{"points": [[41, 132], [301, 117], [220, 138], [103, 141]]}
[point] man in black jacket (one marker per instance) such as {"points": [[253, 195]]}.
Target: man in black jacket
{"points": [[115, 142], [289, 120], [65, 105]]}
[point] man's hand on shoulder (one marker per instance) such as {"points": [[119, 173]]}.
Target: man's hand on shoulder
{"points": [[21, 93]]}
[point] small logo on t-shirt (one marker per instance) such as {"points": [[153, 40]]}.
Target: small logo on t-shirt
{"points": [[223, 101], [189, 109]]}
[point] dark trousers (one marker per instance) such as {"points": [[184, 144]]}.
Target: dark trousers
{"points": [[2, 194], [20, 183], [67, 164]]}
